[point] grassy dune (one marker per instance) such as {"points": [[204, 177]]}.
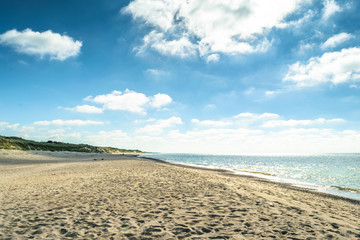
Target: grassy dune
{"points": [[16, 143]]}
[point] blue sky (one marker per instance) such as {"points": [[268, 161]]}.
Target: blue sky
{"points": [[183, 76]]}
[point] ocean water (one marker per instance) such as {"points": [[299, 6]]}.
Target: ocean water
{"points": [[337, 174]]}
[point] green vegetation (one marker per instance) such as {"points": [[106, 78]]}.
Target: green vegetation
{"points": [[16, 143]]}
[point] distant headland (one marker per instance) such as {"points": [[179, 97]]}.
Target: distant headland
{"points": [[17, 143]]}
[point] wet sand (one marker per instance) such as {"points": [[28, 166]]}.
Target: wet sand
{"points": [[100, 196]]}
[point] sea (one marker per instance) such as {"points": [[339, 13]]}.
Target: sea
{"points": [[337, 174]]}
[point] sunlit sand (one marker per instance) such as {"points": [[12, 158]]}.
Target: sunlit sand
{"points": [[101, 196]]}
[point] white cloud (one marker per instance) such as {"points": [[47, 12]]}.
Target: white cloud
{"points": [[59, 122], [86, 109], [210, 106], [159, 100], [13, 126], [115, 138], [298, 23], [268, 134], [238, 140], [211, 123], [336, 40], [213, 58], [335, 67], [265, 120], [3, 124], [56, 46], [156, 72], [158, 126], [160, 13], [183, 28], [255, 116], [144, 121], [305, 47], [57, 131], [330, 8], [60, 135], [130, 101], [16, 128], [181, 47], [242, 120], [242, 141], [295, 123], [270, 93], [7, 126]]}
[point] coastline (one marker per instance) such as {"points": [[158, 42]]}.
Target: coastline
{"points": [[258, 178], [127, 197], [312, 181]]}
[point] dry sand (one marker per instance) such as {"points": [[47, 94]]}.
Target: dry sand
{"points": [[69, 195]]}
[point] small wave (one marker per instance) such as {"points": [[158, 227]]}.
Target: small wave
{"points": [[346, 189], [255, 172]]}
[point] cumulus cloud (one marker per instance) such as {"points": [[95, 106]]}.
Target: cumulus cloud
{"points": [[181, 47], [86, 109], [130, 101], [56, 46], [330, 8], [336, 40], [186, 28], [335, 67], [60, 122], [295, 123], [159, 100], [158, 126]]}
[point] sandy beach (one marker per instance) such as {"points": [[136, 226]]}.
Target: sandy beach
{"points": [[47, 195]]}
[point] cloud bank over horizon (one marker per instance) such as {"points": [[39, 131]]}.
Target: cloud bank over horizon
{"points": [[242, 133]]}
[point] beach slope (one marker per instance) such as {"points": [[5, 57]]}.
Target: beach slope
{"points": [[103, 196]]}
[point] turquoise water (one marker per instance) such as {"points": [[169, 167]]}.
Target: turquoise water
{"points": [[331, 173]]}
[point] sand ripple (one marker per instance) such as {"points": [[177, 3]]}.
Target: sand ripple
{"points": [[138, 199]]}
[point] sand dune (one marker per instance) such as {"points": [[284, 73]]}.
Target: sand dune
{"points": [[71, 195]]}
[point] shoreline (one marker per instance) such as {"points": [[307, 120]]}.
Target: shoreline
{"points": [[124, 197], [258, 178], [72, 157]]}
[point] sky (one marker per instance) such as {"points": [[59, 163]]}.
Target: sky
{"points": [[195, 76]]}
